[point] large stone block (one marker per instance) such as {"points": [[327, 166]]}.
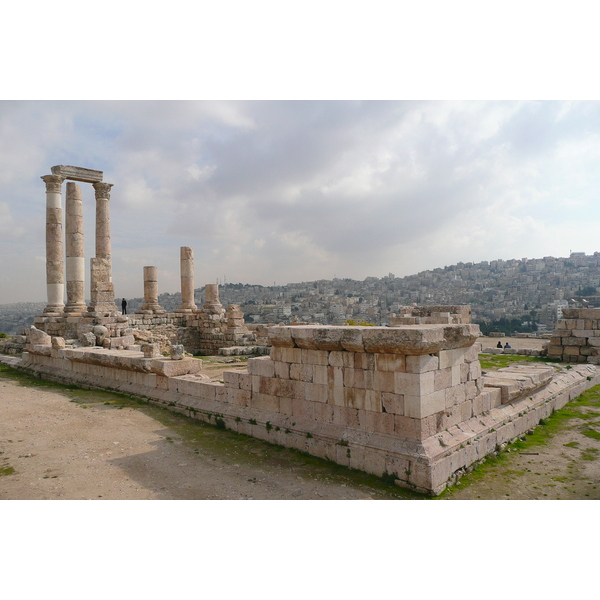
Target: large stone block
{"points": [[414, 384], [422, 363]]}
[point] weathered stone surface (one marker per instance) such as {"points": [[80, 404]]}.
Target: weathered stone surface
{"points": [[36, 336], [58, 343], [100, 332], [87, 339], [177, 352], [151, 350], [77, 173]]}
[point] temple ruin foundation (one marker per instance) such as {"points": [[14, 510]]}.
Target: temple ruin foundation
{"points": [[406, 402]]}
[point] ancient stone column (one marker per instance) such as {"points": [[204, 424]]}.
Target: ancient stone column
{"points": [[102, 289], [211, 294], [103, 249], [55, 281], [151, 304], [74, 247], [187, 280], [212, 305], [235, 320]]}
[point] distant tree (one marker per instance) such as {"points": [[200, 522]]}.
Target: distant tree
{"points": [[589, 290]]}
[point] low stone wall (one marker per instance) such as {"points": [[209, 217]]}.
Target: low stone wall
{"points": [[407, 402]]}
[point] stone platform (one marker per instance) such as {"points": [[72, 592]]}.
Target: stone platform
{"points": [[408, 402]]}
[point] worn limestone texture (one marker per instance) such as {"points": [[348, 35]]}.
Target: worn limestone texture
{"points": [[186, 261], [74, 248], [55, 281], [151, 305]]}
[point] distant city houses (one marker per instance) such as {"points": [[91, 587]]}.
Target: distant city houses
{"points": [[531, 291]]}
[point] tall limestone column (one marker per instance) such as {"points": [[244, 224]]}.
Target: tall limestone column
{"points": [[187, 281], [55, 278], [75, 259], [103, 249], [151, 305], [102, 289]]}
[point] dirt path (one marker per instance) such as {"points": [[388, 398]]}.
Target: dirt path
{"points": [[66, 443], [61, 443]]}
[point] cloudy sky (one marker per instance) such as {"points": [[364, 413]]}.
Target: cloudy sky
{"points": [[287, 191], [299, 189]]}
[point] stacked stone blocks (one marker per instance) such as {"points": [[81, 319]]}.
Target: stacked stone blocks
{"points": [[576, 338]]}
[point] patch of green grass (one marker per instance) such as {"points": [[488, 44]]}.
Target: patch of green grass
{"points": [[572, 445], [589, 454], [6, 470], [591, 433], [497, 361]]}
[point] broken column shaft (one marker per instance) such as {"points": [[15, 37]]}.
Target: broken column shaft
{"points": [[187, 280], [151, 304]]}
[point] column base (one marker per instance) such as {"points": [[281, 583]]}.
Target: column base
{"points": [[75, 310], [186, 309], [53, 310], [151, 309]]}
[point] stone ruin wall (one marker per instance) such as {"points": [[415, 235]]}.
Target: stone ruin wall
{"points": [[576, 338], [409, 402]]}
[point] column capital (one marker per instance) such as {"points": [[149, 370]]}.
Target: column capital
{"points": [[102, 189], [53, 182]]}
